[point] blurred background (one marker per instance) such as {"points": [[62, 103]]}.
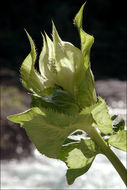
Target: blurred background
{"points": [[106, 21]]}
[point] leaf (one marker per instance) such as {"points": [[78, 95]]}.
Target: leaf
{"points": [[85, 94], [69, 140], [48, 129], [119, 140], [31, 79], [45, 125], [48, 91], [101, 116], [60, 101], [114, 117], [119, 126], [78, 157], [89, 148]]}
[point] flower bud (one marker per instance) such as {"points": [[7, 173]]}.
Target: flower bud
{"points": [[61, 62]]}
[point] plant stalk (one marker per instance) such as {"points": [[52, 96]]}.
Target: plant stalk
{"points": [[105, 149]]}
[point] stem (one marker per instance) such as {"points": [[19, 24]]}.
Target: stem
{"points": [[105, 149]]}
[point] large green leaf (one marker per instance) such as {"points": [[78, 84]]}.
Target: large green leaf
{"points": [[48, 129], [101, 117], [45, 125], [78, 157], [78, 164], [119, 140]]}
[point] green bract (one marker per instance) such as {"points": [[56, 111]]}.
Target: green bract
{"points": [[64, 101]]}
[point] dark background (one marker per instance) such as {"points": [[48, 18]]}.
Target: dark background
{"points": [[104, 19]]}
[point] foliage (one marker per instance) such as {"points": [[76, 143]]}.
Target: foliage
{"points": [[64, 101]]}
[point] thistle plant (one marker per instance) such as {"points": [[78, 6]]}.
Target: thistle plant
{"points": [[64, 103]]}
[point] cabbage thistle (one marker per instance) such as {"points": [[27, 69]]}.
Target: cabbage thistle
{"points": [[64, 104]]}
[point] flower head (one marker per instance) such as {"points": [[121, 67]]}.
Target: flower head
{"points": [[61, 62], [63, 65]]}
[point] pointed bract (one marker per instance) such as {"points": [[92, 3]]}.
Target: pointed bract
{"points": [[43, 64], [31, 79], [79, 17], [86, 94], [86, 39]]}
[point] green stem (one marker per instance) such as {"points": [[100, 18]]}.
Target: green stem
{"points": [[105, 149]]}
